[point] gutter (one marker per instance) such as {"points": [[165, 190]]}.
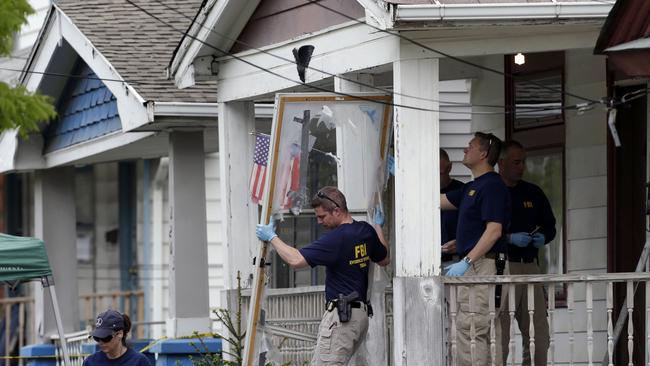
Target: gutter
{"points": [[501, 11], [208, 110]]}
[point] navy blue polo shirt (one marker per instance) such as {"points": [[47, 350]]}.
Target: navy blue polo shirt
{"points": [[346, 252], [485, 199], [449, 218], [129, 358], [530, 208]]}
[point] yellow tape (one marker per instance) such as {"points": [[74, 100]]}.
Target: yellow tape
{"points": [[144, 349]]}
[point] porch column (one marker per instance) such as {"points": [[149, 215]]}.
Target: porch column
{"points": [[55, 223], [189, 308], [417, 293], [236, 121]]}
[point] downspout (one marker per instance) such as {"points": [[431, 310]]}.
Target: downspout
{"points": [[146, 244]]}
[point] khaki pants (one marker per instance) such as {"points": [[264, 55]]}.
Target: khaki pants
{"points": [[338, 341], [481, 355], [523, 318]]}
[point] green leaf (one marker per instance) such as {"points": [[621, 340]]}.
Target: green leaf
{"points": [[13, 14], [23, 110]]}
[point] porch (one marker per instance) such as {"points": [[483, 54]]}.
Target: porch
{"points": [[582, 314]]}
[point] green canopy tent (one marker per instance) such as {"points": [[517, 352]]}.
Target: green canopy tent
{"points": [[25, 259]]}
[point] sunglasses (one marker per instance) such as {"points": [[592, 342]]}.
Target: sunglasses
{"points": [[323, 195], [103, 340]]}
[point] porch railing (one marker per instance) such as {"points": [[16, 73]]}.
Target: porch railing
{"points": [[594, 343], [14, 310], [74, 342]]}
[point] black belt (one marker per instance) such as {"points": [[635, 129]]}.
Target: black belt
{"points": [[521, 260], [446, 257], [353, 304]]}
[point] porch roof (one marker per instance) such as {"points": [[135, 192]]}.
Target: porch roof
{"points": [[627, 27]]}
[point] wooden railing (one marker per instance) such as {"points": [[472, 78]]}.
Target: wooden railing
{"points": [[24, 305], [118, 300], [604, 282]]}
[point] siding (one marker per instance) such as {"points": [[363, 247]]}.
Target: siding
{"points": [[456, 128]]}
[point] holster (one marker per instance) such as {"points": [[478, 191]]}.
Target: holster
{"points": [[344, 306], [500, 264]]}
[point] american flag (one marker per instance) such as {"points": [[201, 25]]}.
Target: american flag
{"points": [[260, 161]]}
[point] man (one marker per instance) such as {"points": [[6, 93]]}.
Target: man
{"points": [[483, 213], [448, 219], [346, 252], [532, 227]]}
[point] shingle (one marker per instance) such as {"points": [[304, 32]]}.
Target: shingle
{"points": [[138, 46]]}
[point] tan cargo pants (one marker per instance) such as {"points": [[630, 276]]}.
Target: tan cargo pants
{"points": [[481, 355], [338, 341]]}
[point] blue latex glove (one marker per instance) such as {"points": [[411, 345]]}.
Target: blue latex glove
{"points": [[379, 217], [457, 269], [520, 239], [266, 232], [539, 240], [390, 164]]}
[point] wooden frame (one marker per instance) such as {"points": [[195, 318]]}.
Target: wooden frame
{"points": [[270, 204]]}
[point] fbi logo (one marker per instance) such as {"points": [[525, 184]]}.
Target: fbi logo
{"points": [[528, 204], [471, 192], [360, 255]]}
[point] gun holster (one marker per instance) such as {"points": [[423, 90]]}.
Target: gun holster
{"points": [[344, 306], [500, 263]]}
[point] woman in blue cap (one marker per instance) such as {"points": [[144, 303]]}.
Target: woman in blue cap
{"points": [[111, 329]]}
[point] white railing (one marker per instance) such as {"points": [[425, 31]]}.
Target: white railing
{"points": [[94, 303], [74, 342], [594, 345]]}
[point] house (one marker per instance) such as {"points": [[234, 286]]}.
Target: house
{"points": [[409, 48], [102, 198]]}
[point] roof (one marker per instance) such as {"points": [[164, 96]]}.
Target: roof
{"points": [[138, 46], [627, 21]]}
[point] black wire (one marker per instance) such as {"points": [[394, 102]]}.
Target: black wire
{"points": [[458, 59], [238, 58], [70, 76], [226, 53], [385, 90]]}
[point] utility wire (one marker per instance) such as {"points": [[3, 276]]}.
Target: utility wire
{"points": [[72, 76], [238, 58], [455, 58], [385, 90]]}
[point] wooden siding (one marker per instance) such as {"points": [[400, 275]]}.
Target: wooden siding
{"points": [[275, 21]]}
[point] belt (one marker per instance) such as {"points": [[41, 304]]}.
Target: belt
{"points": [[446, 257], [521, 260], [490, 255], [353, 304]]}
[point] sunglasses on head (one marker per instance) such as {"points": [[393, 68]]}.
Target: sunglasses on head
{"points": [[323, 195], [104, 339]]}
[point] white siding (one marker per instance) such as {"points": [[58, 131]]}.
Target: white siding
{"points": [[455, 128]]}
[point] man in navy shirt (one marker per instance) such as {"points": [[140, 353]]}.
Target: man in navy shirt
{"points": [[346, 252], [483, 214], [532, 226], [449, 218]]}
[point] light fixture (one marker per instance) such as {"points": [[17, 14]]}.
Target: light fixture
{"points": [[520, 59]]}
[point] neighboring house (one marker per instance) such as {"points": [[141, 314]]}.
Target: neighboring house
{"points": [[120, 211], [551, 103]]}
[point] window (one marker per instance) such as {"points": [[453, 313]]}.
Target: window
{"points": [[535, 98]]}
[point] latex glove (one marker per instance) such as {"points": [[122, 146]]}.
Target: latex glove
{"points": [[379, 217], [520, 239], [457, 269], [266, 232], [539, 240], [390, 164]]}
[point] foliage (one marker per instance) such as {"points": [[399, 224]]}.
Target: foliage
{"points": [[18, 107], [235, 338], [23, 110]]}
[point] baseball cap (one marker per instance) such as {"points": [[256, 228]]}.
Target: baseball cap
{"points": [[107, 323]]}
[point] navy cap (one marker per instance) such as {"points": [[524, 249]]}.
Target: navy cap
{"points": [[107, 323]]}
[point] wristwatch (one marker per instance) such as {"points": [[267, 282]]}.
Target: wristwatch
{"points": [[467, 260]]}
